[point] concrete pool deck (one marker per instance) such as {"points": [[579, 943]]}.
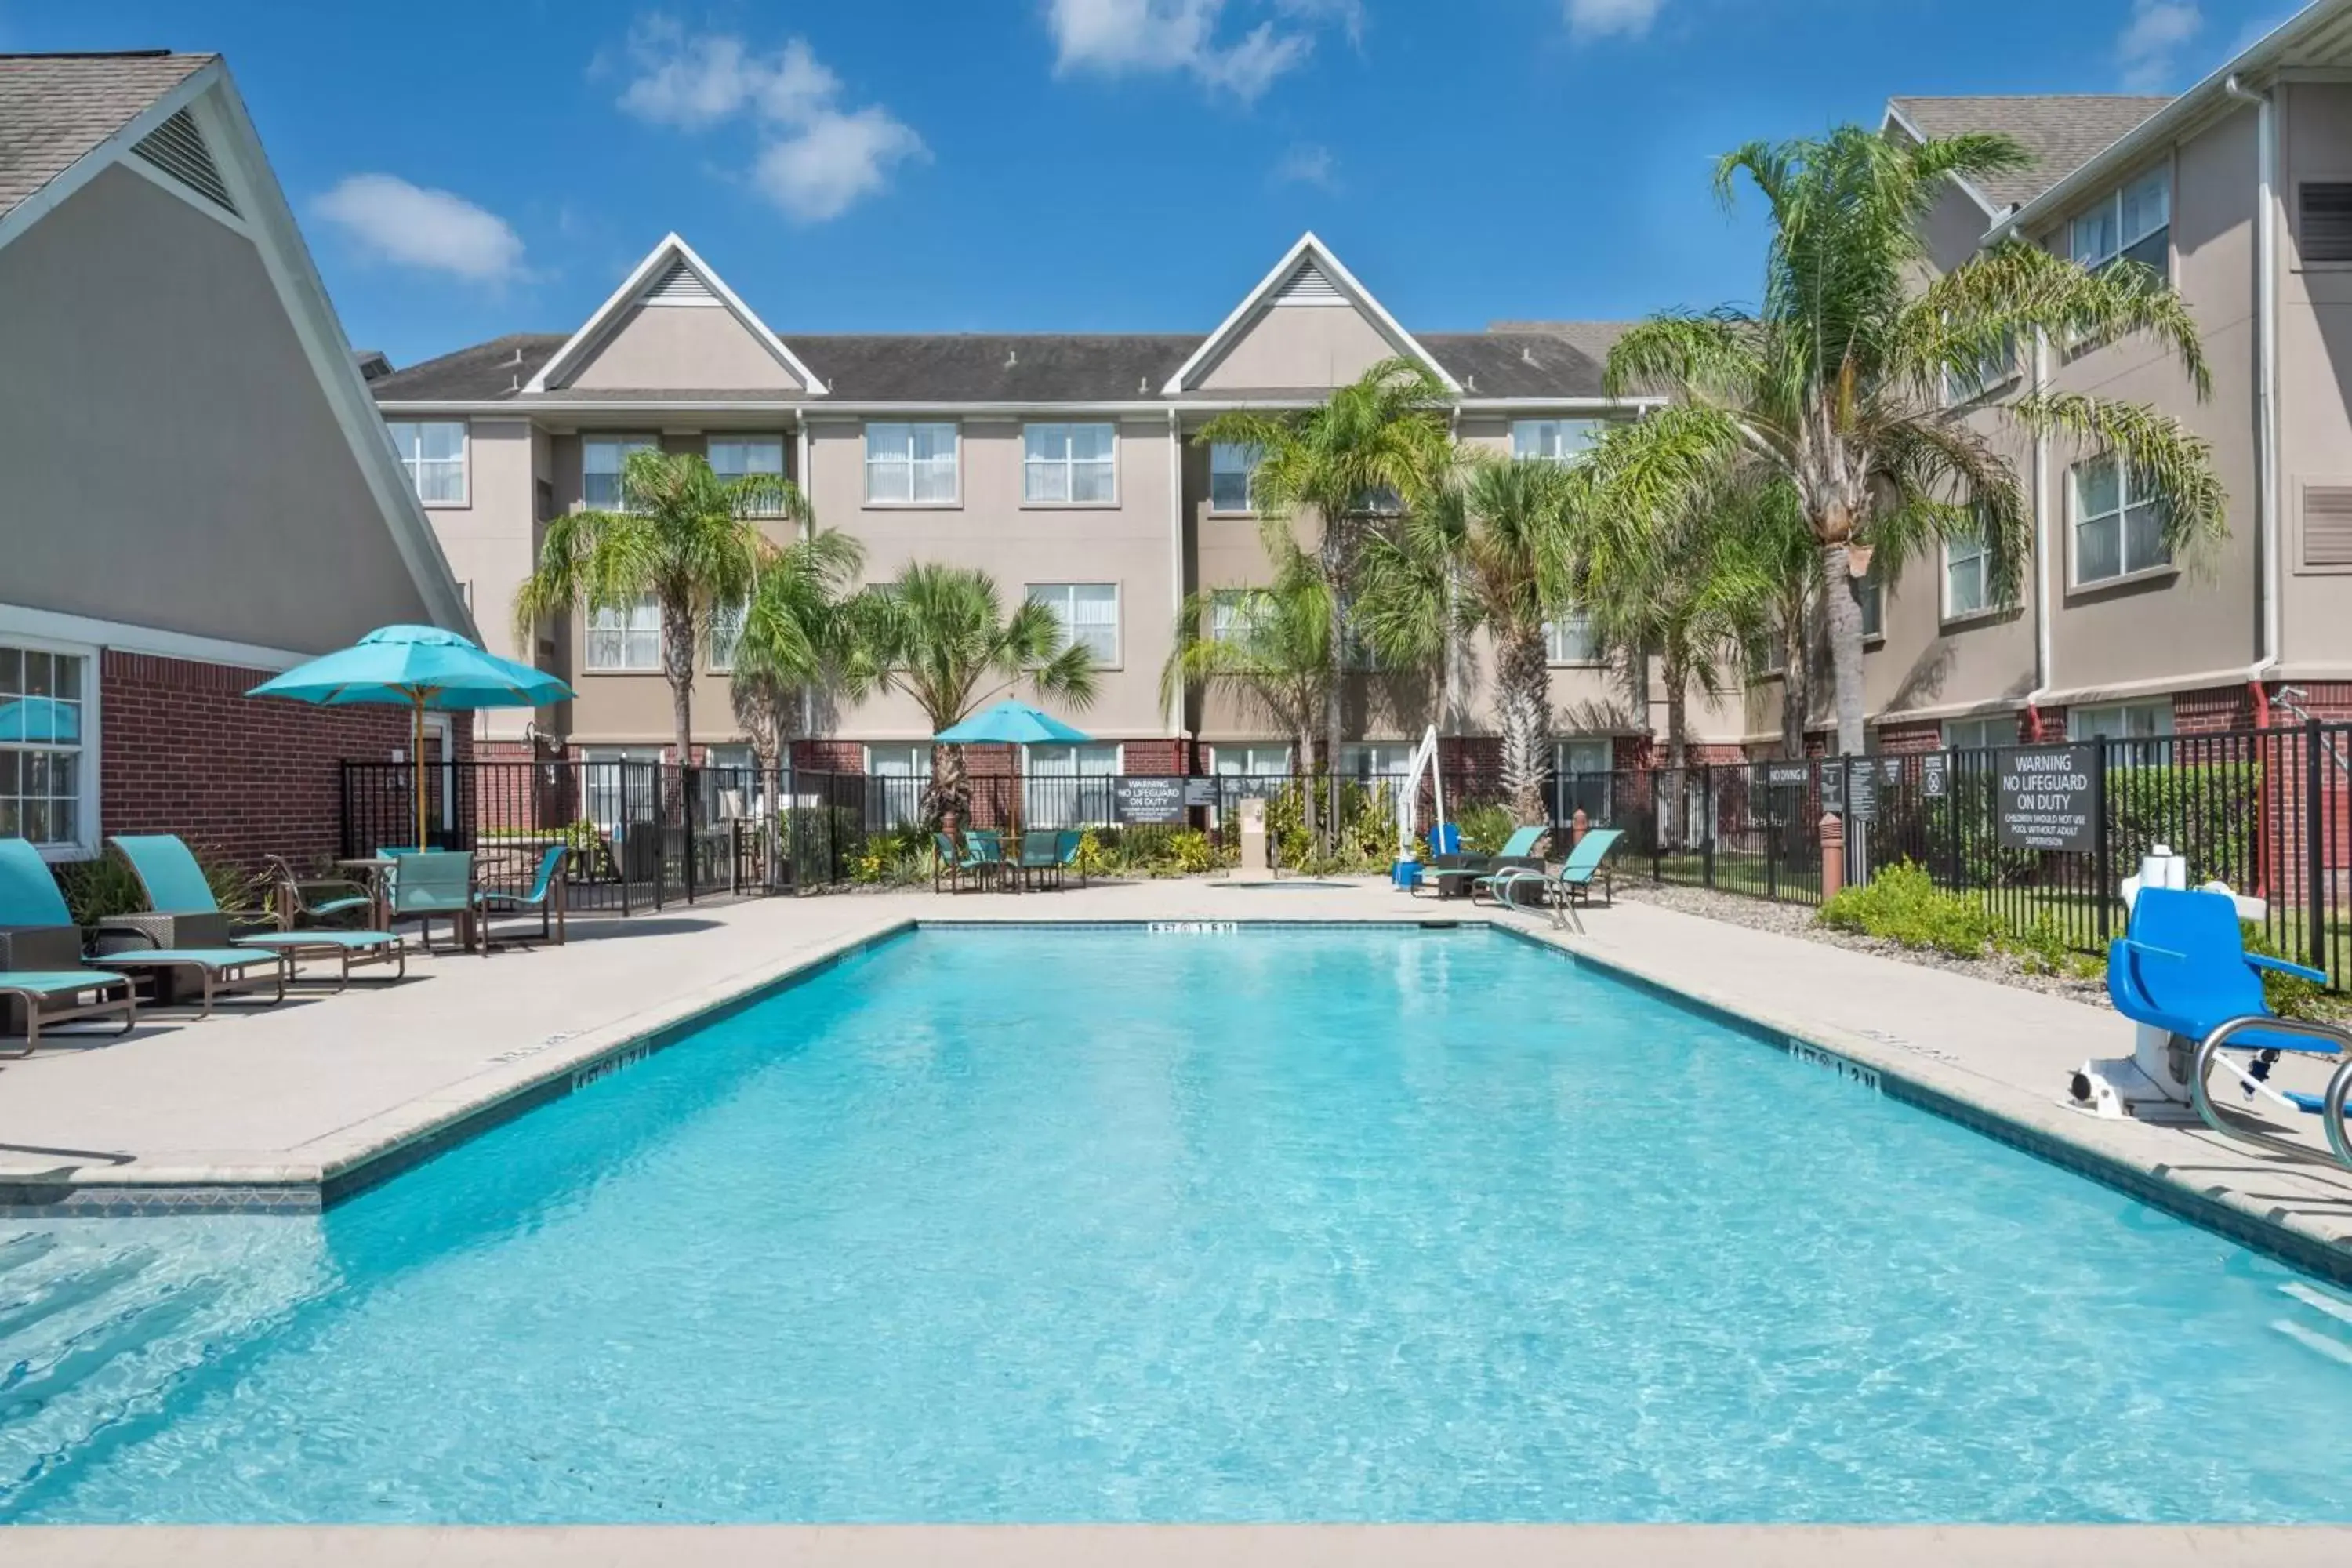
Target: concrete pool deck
{"points": [[284, 1107]]}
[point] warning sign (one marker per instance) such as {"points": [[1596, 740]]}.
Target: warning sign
{"points": [[2046, 799]]}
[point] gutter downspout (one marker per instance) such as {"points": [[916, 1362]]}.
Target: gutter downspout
{"points": [[2266, 445], [2044, 664], [808, 531], [1176, 571]]}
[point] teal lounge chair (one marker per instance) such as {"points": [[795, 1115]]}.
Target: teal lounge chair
{"points": [[546, 896], [429, 883], [40, 953], [1563, 891], [1455, 873], [185, 914]]}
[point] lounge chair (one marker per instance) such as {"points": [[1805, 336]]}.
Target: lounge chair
{"points": [[40, 953], [29, 898], [1041, 852], [1563, 891], [2182, 966], [1454, 873], [186, 915], [429, 883], [546, 896]]}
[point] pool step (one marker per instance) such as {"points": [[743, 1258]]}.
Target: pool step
{"points": [[2329, 1332]]}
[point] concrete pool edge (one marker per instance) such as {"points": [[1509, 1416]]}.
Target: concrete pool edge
{"points": [[1167, 1545]]}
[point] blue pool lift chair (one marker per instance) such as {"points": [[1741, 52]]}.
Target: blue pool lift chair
{"points": [[1455, 870], [2182, 966]]}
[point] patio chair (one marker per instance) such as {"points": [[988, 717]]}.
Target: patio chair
{"points": [[546, 896], [988, 849], [429, 883], [1454, 872], [2182, 966], [1067, 841], [30, 899], [314, 900], [1041, 852], [184, 914], [1563, 891], [956, 860], [41, 967]]}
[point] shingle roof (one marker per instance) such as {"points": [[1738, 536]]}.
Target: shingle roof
{"points": [[494, 369], [55, 108], [2064, 132]]}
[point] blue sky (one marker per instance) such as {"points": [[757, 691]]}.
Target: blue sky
{"points": [[468, 169]]}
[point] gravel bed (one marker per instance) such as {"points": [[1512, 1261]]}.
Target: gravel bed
{"points": [[1797, 920]]}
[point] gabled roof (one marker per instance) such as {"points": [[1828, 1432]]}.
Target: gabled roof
{"points": [[56, 110], [665, 268], [2062, 130], [1309, 273]]}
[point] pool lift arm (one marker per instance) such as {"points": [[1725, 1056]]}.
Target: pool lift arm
{"points": [[1423, 761]]}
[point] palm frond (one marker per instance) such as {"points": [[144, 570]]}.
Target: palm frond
{"points": [[2165, 461]]}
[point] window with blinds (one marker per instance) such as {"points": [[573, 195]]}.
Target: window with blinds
{"points": [[2325, 220]]}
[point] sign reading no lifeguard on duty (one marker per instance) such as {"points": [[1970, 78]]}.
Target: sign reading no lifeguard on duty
{"points": [[2046, 799]]}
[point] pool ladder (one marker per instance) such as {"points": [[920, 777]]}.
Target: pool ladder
{"points": [[2333, 1101]]}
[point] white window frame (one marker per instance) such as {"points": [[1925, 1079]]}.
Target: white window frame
{"points": [[1549, 440], [1977, 557], [710, 442], [1564, 751], [1870, 599], [1964, 387], [1044, 793], [1982, 733], [1356, 755], [2110, 207], [1556, 640], [1065, 609], [720, 657], [903, 809], [407, 440], [2080, 723], [626, 444], [627, 628], [955, 465], [1246, 757], [89, 835], [1068, 464], [2124, 505], [1248, 472]]}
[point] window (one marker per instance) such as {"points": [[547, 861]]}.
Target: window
{"points": [[1370, 759], [2117, 532], [626, 638], [742, 457], [1981, 734], [726, 631], [910, 465], [1582, 771], [1382, 501], [434, 453], [1229, 614], [1555, 440], [1269, 760], [897, 776], [1069, 786], [1967, 385], [1570, 640], [1229, 476], [602, 458], [619, 784], [2133, 223], [2326, 221], [2125, 722], [1069, 465], [44, 778], [1088, 614], [1966, 587], [1872, 596]]}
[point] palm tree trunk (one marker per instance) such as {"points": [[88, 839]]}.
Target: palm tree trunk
{"points": [[1677, 745], [1844, 615], [677, 665], [1307, 812], [948, 785], [1523, 693]]}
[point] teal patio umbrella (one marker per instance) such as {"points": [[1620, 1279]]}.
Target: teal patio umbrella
{"points": [[1013, 723], [39, 719], [417, 668]]}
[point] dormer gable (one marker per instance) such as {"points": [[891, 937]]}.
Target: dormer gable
{"points": [[1308, 326], [674, 325]]}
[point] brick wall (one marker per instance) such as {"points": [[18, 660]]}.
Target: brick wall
{"points": [[2212, 710], [183, 751]]}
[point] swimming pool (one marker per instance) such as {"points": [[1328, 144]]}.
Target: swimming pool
{"points": [[1104, 1223]]}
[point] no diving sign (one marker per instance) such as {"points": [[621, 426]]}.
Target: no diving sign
{"points": [[2047, 799]]}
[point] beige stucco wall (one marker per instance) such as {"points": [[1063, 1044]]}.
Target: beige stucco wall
{"points": [[167, 455], [489, 542], [691, 347], [2315, 384], [1308, 347]]}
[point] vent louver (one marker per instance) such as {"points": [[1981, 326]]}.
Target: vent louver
{"points": [[680, 285], [2326, 220], [177, 148], [1310, 284], [2327, 525]]}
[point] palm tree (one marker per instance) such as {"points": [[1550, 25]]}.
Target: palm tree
{"points": [[1836, 385], [1475, 556], [1270, 646], [1378, 449], [688, 538], [796, 642], [940, 636]]}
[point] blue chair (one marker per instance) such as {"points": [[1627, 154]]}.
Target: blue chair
{"points": [[1563, 890], [40, 953], [2182, 966], [427, 883], [546, 896], [186, 914], [1454, 872]]}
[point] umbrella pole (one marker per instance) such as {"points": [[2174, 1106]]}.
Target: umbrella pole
{"points": [[416, 760]]}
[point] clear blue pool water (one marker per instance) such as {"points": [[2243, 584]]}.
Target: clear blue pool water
{"points": [[1100, 1225]]}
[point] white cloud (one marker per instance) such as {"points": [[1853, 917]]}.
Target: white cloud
{"points": [[815, 159], [2152, 37], [1307, 163], [1611, 18], [1119, 37], [414, 226]]}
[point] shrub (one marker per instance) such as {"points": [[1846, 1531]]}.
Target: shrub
{"points": [[1091, 860], [97, 889], [2290, 996], [1485, 829], [1903, 904]]}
